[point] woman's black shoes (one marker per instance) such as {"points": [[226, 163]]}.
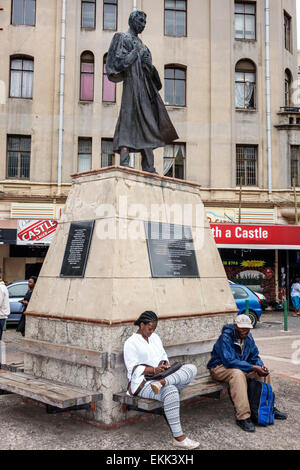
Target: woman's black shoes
{"points": [[246, 425]]}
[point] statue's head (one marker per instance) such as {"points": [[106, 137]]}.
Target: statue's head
{"points": [[137, 21]]}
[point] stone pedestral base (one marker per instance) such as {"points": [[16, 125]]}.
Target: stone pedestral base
{"points": [[76, 327]]}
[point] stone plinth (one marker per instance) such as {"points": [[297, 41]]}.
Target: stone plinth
{"points": [[96, 313]]}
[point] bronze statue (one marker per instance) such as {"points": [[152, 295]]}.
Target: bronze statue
{"points": [[143, 123]]}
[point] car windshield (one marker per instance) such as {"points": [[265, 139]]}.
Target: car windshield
{"points": [[18, 290], [238, 292]]}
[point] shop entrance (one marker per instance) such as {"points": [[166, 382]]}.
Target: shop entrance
{"points": [[32, 269], [253, 268]]}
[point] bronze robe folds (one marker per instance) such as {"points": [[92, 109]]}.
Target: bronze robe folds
{"points": [[143, 121]]}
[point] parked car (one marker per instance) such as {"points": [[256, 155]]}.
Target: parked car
{"points": [[263, 299], [242, 293], [16, 291]]}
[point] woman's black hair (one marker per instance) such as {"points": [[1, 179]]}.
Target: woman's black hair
{"points": [[34, 278], [146, 317]]}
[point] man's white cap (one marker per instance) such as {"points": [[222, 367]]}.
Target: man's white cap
{"points": [[243, 321]]}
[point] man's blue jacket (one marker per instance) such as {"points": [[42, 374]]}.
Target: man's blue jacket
{"points": [[227, 351]]}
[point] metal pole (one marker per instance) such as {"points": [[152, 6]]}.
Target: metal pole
{"points": [[268, 95], [285, 315], [276, 276], [295, 202], [247, 308], [240, 200], [61, 94], [132, 155], [288, 278]]}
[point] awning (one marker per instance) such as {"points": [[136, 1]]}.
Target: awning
{"points": [[258, 237]]}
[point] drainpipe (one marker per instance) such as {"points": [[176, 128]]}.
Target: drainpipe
{"points": [[268, 96], [132, 155], [61, 95]]}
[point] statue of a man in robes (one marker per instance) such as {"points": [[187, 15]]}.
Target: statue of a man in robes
{"points": [[143, 123]]}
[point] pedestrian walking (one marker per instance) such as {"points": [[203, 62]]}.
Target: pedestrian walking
{"points": [[4, 305], [295, 297], [31, 284]]}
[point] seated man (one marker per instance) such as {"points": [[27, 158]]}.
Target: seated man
{"points": [[235, 358]]}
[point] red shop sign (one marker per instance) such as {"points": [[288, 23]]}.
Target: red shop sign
{"points": [[37, 231], [258, 236]]}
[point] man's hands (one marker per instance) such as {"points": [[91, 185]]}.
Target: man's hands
{"points": [[262, 371]]}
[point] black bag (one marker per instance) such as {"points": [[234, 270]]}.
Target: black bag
{"points": [[162, 375]]}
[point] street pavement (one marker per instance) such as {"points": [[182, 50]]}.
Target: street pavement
{"points": [[210, 421]]}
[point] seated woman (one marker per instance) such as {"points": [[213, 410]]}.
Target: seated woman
{"points": [[144, 355]]}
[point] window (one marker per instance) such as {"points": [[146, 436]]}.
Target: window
{"points": [[84, 153], [175, 86], [109, 88], [245, 20], [175, 18], [18, 290], [239, 292], [246, 164], [110, 10], [88, 14], [174, 161], [107, 153], [18, 156], [287, 88], [21, 77], [287, 31], [295, 165], [87, 76], [245, 85], [23, 12]]}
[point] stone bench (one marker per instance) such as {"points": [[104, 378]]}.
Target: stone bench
{"points": [[57, 396]]}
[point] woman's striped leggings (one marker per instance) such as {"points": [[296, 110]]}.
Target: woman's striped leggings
{"points": [[169, 395]]}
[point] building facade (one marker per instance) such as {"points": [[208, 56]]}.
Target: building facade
{"points": [[229, 91]]}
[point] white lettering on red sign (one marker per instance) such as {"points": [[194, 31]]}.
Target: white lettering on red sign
{"points": [[38, 230]]}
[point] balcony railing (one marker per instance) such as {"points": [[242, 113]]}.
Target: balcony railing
{"points": [[290, 109]]}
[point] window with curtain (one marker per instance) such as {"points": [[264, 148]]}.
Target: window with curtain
{"points": [[287, 31], [246, 165], [245, 85], [175, 17], [84, 153], [21, 77], [108, 87], [107, 153], [87, 76], [175, 85], [295, 165], [110, 14], [287, 88], [23, 12], [88, 14], [18, 156], [174, 161], [245, 20]]}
